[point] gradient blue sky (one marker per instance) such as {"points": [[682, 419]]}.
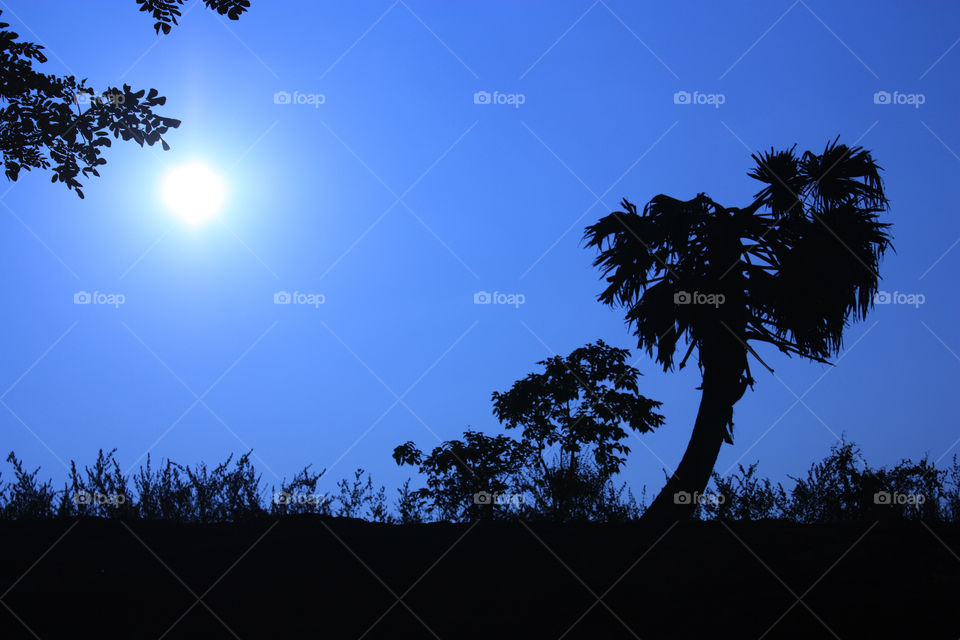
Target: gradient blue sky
{"points": [[399, 198]]}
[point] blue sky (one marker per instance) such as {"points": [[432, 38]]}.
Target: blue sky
{"points": [[400, 197]]}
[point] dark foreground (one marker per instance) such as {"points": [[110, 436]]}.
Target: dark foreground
{"points": [[307, 577]]}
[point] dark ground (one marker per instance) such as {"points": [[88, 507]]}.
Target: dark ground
{"points": [[331, 578]]}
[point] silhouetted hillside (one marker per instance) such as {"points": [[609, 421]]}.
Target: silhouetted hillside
{"points": [[315, 576]]}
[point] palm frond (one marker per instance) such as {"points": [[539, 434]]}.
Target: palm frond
{"points": [[780, 171], [793, 268]]}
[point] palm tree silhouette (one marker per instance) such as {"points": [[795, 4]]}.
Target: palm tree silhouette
{"points": [[791, 270]]}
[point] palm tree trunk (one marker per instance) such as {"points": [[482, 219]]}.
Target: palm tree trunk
{"points": [[725, 379], [677, 499]]}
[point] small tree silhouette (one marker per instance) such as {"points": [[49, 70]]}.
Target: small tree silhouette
{"points": [[573, 418], [790, 270], [581, 404], [465, 476]]}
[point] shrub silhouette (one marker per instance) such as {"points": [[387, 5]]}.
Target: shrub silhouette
{"points": [[358, 498], [951, 493], [26, 498], [222, 494], [464, 477], [300, 495], [102, 492], [840, 487], [164, 495], [573, 419], [914, 479], [586, 493], [831, 492], [745, 497], [411, 505]]}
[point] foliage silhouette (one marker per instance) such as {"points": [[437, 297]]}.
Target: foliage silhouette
{"points": [[356, 494], [951, 493], [831, 490], [790, 270], [223, 494], [839, 488], [465, 476], [166, 12], [580, 406], [572, 418], [164, 495], [745, 497], [104, 479], [26, 499], [843, 487], [300, 495], [582, 492], [411, 505], [57, 123]]}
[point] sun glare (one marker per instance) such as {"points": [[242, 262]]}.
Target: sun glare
{"points": [[194, 192]]}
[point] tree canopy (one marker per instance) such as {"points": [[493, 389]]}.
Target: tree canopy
{"points": [[58, 123]]}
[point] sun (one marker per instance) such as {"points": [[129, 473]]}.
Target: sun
{"points": [[194, 192]]}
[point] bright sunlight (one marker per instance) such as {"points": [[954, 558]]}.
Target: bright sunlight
{"points": [[194, 192]]}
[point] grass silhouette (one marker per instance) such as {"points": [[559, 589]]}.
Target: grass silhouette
{"points": [[841, 487]]}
